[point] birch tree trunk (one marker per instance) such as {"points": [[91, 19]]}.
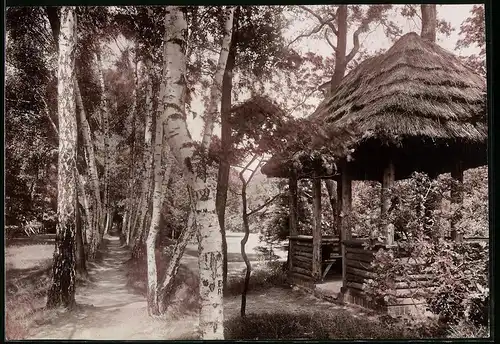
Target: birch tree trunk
{"points": [[129, 204], [92, 166], [224, 166], [147, 159], [194, 165], [80, 264], [105, 122], [62, 290], [161, 178], [88, 214]]}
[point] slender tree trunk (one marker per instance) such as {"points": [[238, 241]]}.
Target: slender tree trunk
{"points": [[194, 166], [246, 227], [92, 166], [147, 158], [80, 265], [162, 175], [62, 290], [224, 167], [340, 52], [130, 204], [88, 215], [165, 288], [105, 117], [429, 22]]}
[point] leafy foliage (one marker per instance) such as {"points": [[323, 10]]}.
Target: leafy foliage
{"points": [[473, 33], [456, 273]]}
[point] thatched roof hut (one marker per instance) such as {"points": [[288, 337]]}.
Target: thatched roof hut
{"points": [[417, 103]]}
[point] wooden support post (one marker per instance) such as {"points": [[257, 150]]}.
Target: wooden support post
{"points": [[344, 199], [387, 184], [316, 232], [457, 198], [292, 197]]}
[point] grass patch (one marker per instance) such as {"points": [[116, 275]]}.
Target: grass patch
{"points": [[322, 325], [26, 292], [271, 275], [468, 330]]}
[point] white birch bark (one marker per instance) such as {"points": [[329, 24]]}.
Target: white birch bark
{"points": [[148, 153], [126, 229], [161, 178], [86, 207], [91, 163], [62, 290], [194, 167], [105, 120]]}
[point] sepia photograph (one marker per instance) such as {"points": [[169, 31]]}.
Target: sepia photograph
{"points": [[246, 172]]}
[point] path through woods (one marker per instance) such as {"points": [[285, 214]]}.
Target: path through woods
{"points": [[109, 309]]}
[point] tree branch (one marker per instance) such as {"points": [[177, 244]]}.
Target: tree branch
{"points": [[245, 182], [329, 41], [321, 20], [355, 48], [263, 205], [313, 31]]}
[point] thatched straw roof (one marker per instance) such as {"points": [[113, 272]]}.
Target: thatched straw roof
{"points": [[414, 90]]}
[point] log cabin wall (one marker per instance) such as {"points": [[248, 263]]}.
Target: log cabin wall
{"points": [[301, 255], [359, 270]]}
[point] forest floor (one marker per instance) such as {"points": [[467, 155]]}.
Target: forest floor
{"points": [[110, 308]]}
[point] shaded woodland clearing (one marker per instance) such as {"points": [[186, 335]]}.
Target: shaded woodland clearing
{"points": [[109, 308]]}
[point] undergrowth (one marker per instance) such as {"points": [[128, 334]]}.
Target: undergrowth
{"points": [[322, 325], [271, 275]]}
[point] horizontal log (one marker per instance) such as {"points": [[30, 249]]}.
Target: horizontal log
{"points": [[302, 259], [300, 237], [333, 246], [302, 271], [354, 278], [302, 254], [328, 240], [302, 249], [359, 257], [360, 251], [303, 244], [359, 272], [302, 265], [354, 242], [359, 264], [354, 285]]}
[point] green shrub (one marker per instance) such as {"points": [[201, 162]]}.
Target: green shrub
{"points": [[272, 275]]}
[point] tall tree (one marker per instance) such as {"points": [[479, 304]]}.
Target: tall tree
{"points": [[256, 48], [161, 175], [62, 291], [429, 22], [194, 162]]}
